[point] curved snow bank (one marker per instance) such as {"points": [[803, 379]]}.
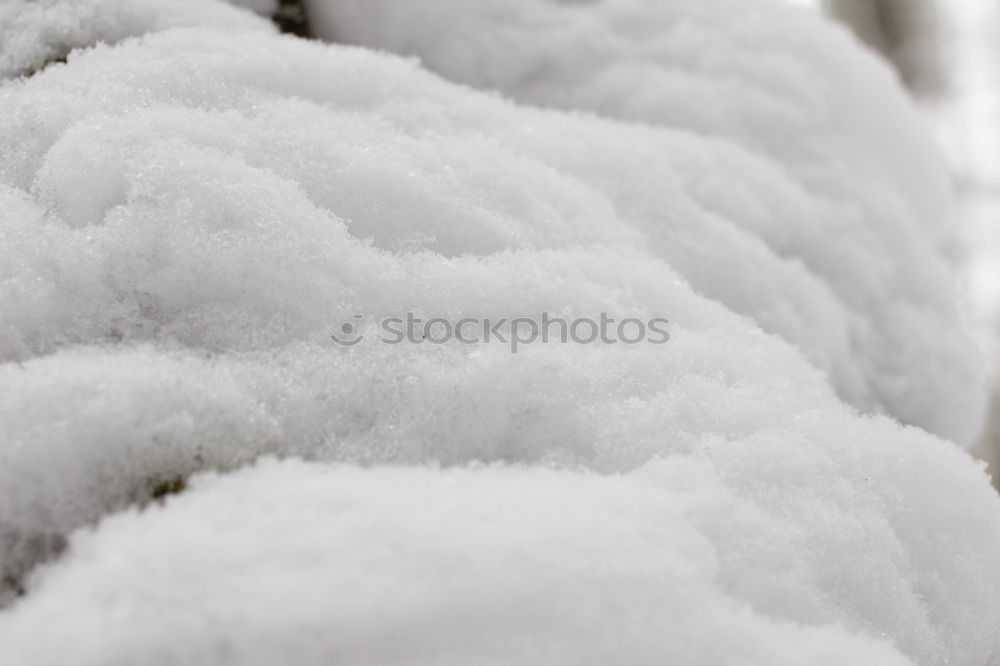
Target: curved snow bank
{"points": [[826, 165], [35, 32], [189, 215], [689, 560]]}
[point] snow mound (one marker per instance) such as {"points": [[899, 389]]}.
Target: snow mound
{"points": [[679, 562], [34, 33], [827, 172], [188, 216]]}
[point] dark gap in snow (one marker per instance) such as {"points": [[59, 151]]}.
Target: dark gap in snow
{"points": [[160, 488], [291, 18], [27, 550], [31, 550], [59, 56]]}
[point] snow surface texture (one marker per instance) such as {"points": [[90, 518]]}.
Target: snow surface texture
{"points": [[827, 175], [36, 32], [188, 215]]}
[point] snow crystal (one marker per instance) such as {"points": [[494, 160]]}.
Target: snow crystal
{"points": [[190, 212]]}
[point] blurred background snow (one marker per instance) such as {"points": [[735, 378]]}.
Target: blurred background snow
{"points": [[947, 54]]}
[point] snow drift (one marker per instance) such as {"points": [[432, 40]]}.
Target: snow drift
{"points": [[841, 203], [34, 33], [189, 214]]}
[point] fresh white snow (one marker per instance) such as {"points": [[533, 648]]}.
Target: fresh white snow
{"points": [[190, 209], [824, 163]]}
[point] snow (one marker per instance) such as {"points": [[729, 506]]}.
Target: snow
{"points": [[192, 207], [35, 32], [854, 206], [313, 563]]}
